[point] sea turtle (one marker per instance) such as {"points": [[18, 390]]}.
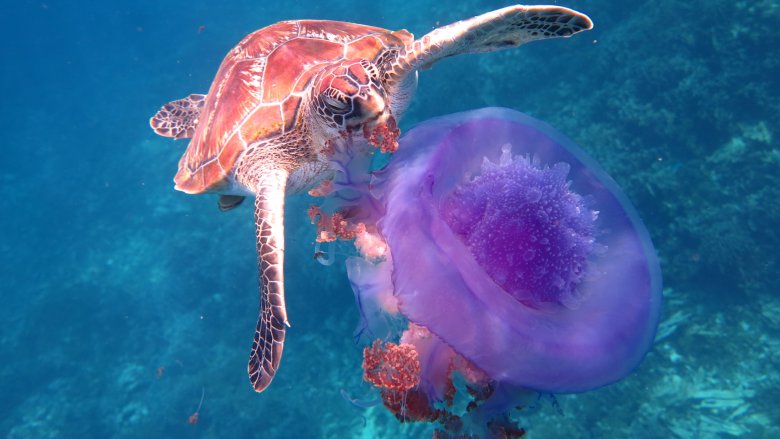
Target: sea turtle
{"points": [[287, 90]]}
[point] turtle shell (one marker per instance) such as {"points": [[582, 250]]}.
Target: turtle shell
{"points": [[258, 90]]}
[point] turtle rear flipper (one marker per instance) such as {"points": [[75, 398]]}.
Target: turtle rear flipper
{"points": [[496, 30], [269, 336], [179, 118], [229, 202]]}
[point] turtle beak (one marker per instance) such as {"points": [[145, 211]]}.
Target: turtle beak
{"points": [[373, 103], [371, 108]]}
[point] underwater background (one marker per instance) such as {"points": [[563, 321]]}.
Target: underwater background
{"points": [[123, 301]]}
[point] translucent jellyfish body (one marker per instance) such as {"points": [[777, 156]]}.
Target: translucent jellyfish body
{"points": [[517, 262]]}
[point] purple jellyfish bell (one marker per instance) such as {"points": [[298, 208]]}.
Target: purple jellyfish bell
{"points": [[516, 249], [514, 259]]}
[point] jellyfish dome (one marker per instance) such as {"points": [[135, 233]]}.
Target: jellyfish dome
{"points": [[515, 259]]}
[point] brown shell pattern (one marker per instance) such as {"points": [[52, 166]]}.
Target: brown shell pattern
{"points": [[258, 89]]}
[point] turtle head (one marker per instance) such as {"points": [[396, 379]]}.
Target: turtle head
{"points": [[350, 96]]}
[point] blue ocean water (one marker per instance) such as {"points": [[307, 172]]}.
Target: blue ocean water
{"points": [[123, 301]]}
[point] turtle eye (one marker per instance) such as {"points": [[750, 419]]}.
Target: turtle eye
{"points": [[335, 102]]}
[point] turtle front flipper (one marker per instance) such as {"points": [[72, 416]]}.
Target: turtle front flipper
{"points": [[179, 118], [496, 30], [269, 337]]}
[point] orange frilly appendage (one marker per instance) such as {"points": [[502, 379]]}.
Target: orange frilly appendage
{"points": [[338, 226], [391, 366], [323, 189], [383, 135], [397, 370], [371, 245], [333, 227]]}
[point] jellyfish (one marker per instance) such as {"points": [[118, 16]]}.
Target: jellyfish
{"points": [[496, 260]]}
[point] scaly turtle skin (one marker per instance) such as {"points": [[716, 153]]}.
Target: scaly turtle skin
{"points": [[285, 91]]}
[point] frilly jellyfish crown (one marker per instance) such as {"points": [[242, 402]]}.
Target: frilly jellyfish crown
{"points": [[524, 226], [516, 260]]}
